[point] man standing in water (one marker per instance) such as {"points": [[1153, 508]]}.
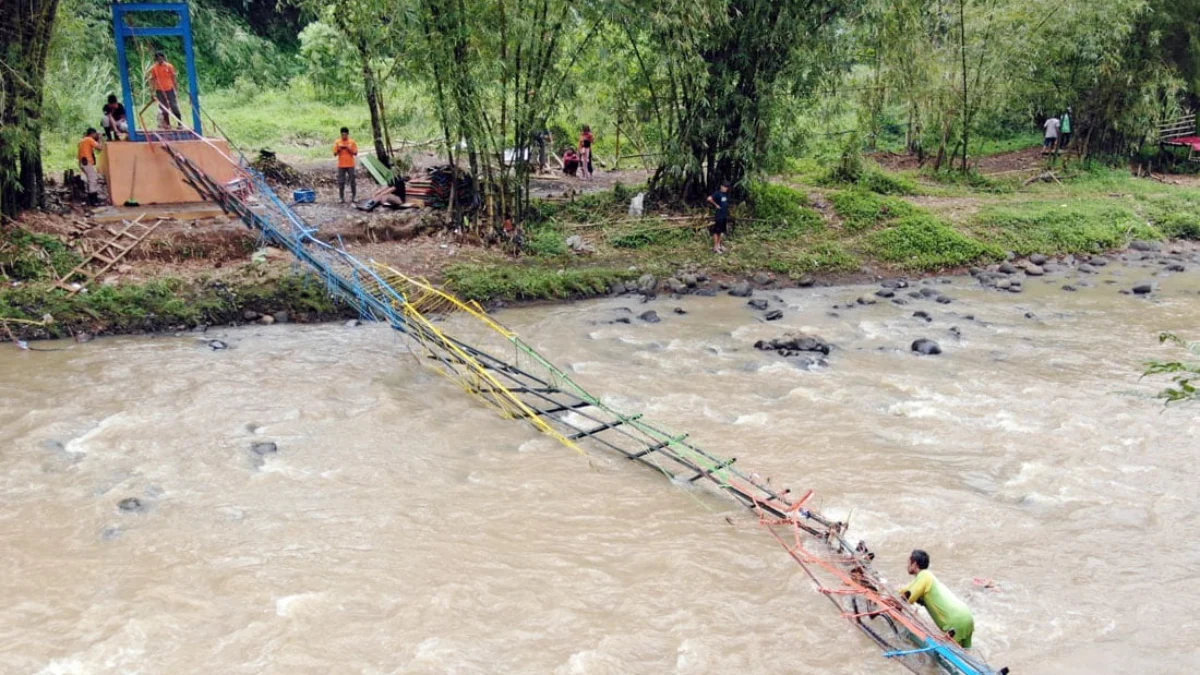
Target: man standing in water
{"points": [[719, 201], [346, 151], [947, 611]]}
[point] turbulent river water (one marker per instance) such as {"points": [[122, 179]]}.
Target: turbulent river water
{"points": [[402, 527]]}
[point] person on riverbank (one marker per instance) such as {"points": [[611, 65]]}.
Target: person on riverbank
{"points": [[570, 162], [719, 200], [1051, 126], [346, 151], [1065, 125], [163, 78], [113, 120], [542, 139], [586, 139], [88, 146], [947, 611]]}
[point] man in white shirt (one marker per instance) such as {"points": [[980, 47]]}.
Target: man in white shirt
{"points": [[1052, 126]]}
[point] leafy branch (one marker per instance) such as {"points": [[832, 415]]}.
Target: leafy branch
{"points": [[1185, 374]]}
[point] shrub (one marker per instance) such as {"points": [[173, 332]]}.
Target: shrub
{"points": [[863, 210], [26, 256], [924, 242], [1180, 225], [887, 183]]}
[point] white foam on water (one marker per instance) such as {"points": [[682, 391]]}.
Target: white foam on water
{"points": [[70, 666], [288, 604], [758, 419]]}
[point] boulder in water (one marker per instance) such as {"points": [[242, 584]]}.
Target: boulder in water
{"points": [[757, 303], [741, 289], [217, 345], [679, 310], [773, 315], [894, 284], [764, 279], [647, 284], [885, 293], [1007, 268], [649, 317], [675, 285], [922, 314], [1176, 268], [794, 342], [1145, 246], [930, 292], [1143, 289], [1087, 268], [1038, 259], [926, 347], [262, 448], [1069, 288], [944, 299], [1034, 271], [806, 281], [130, 505], [282, 316]]}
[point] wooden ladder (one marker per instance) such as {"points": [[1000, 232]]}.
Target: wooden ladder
{"points": [[108, 253]]}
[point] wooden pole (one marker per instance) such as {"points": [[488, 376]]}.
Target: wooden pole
{"points": [[617, 161]]}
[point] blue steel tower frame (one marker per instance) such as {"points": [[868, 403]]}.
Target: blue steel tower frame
{"points": [[181, 29]]}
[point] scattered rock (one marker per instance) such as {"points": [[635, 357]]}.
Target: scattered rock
{"points": [[266, 319], [741, 289], [1145, 246], [707, 292], [926, 347], [578, 245], [250, 315], [914, 294], [969, 317], [794, 342], [1098, 261], [217, 344], [1004, 284], [130, 505], [955, 331], [675, 285], [1030, 315], [282, 317], [865, 300], [806, 281], [1069, 288], [723, 285], [944, 300], [1015, 288], [922, 314], [353, 323], [1038, 259], [757, 303], [773, 315], [618, 288], [1007, 268], [690, 280], [1034, 270], [647, 284], [975, 271], [1087, 268], [1142, 289], [649, 317], [1176, 268], [763, 279], [899, 301], [679, 310], [930, 292], [885, 293], [895, 283], [621, 319]]}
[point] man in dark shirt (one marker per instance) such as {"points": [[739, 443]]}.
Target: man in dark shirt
{"points": [[719, 201]]}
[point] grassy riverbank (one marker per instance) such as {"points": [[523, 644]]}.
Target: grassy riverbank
{"points": [[801, 227]]}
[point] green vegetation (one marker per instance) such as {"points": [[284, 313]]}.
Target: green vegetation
{"points": [[513, 281], [27, 256], [862, 210], [1184, 374], [922, 242], [1061, 227]]}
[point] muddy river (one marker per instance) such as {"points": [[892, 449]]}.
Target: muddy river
{"points": [[401, 527]]}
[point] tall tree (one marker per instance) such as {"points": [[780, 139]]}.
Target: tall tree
{"points": [[26, 27]]}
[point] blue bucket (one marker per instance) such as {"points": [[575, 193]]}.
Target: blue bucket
{"points": [[304, 196]]}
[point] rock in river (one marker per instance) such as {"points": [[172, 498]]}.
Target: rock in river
{"points": [[794, 342], [885, 293], [649, 317], [264, 448], [922, 314], [773, 315], [130, 505], [741, 289], [757, 303], [1142, 289], [926, 347], [217, 344]]}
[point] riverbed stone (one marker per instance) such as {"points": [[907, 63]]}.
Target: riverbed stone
{"points": [[757, 303], [675, 285], [217, 345], [806, 281], [1143, 289], [926, 347], [647, 284], [914, 294], [865, 300], [923, 315], [282, 317], [250, 315], [352, 323], [773, 315], [794, 342], [1004, 284], [1034, 270], [1087, 268], [1038, 259], [266, 319], [1007, 268], [895, 283], [707, 292], [262, 448], [763, 279], [130, 505], [742, 289], [899, 301], [618, 288], [650, 316], [944, 299], [1069, 288], [1176, 267], [1098, 260], [930, 292], [690, 280], [679, 310], [885, 293], [1142, 245]]}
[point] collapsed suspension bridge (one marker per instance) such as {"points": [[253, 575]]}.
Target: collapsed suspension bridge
{"points": [[525, 385]]}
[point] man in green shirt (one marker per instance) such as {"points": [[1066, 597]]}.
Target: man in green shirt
{"points": [[1065, 128], [947, 611]]}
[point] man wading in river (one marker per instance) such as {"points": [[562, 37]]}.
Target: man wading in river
{"points": [[947, 611]]}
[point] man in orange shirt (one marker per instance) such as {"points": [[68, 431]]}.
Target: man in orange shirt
{"points": [[346, 151], [87, 164], [162, 78]]}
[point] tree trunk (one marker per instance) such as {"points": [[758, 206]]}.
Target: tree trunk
{"points": [[27, 29], [371, 88]]}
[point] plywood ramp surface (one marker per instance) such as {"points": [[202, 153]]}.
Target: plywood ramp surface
{"points": [[146, 174]]}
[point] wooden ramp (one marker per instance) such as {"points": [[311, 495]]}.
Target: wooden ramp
{"points": [[108, 253]]}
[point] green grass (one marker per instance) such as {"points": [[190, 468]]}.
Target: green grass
{"points": [[862, 210], [513, 281], [1071, 226], [779, 213], [27, 256], [922, 242]]}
